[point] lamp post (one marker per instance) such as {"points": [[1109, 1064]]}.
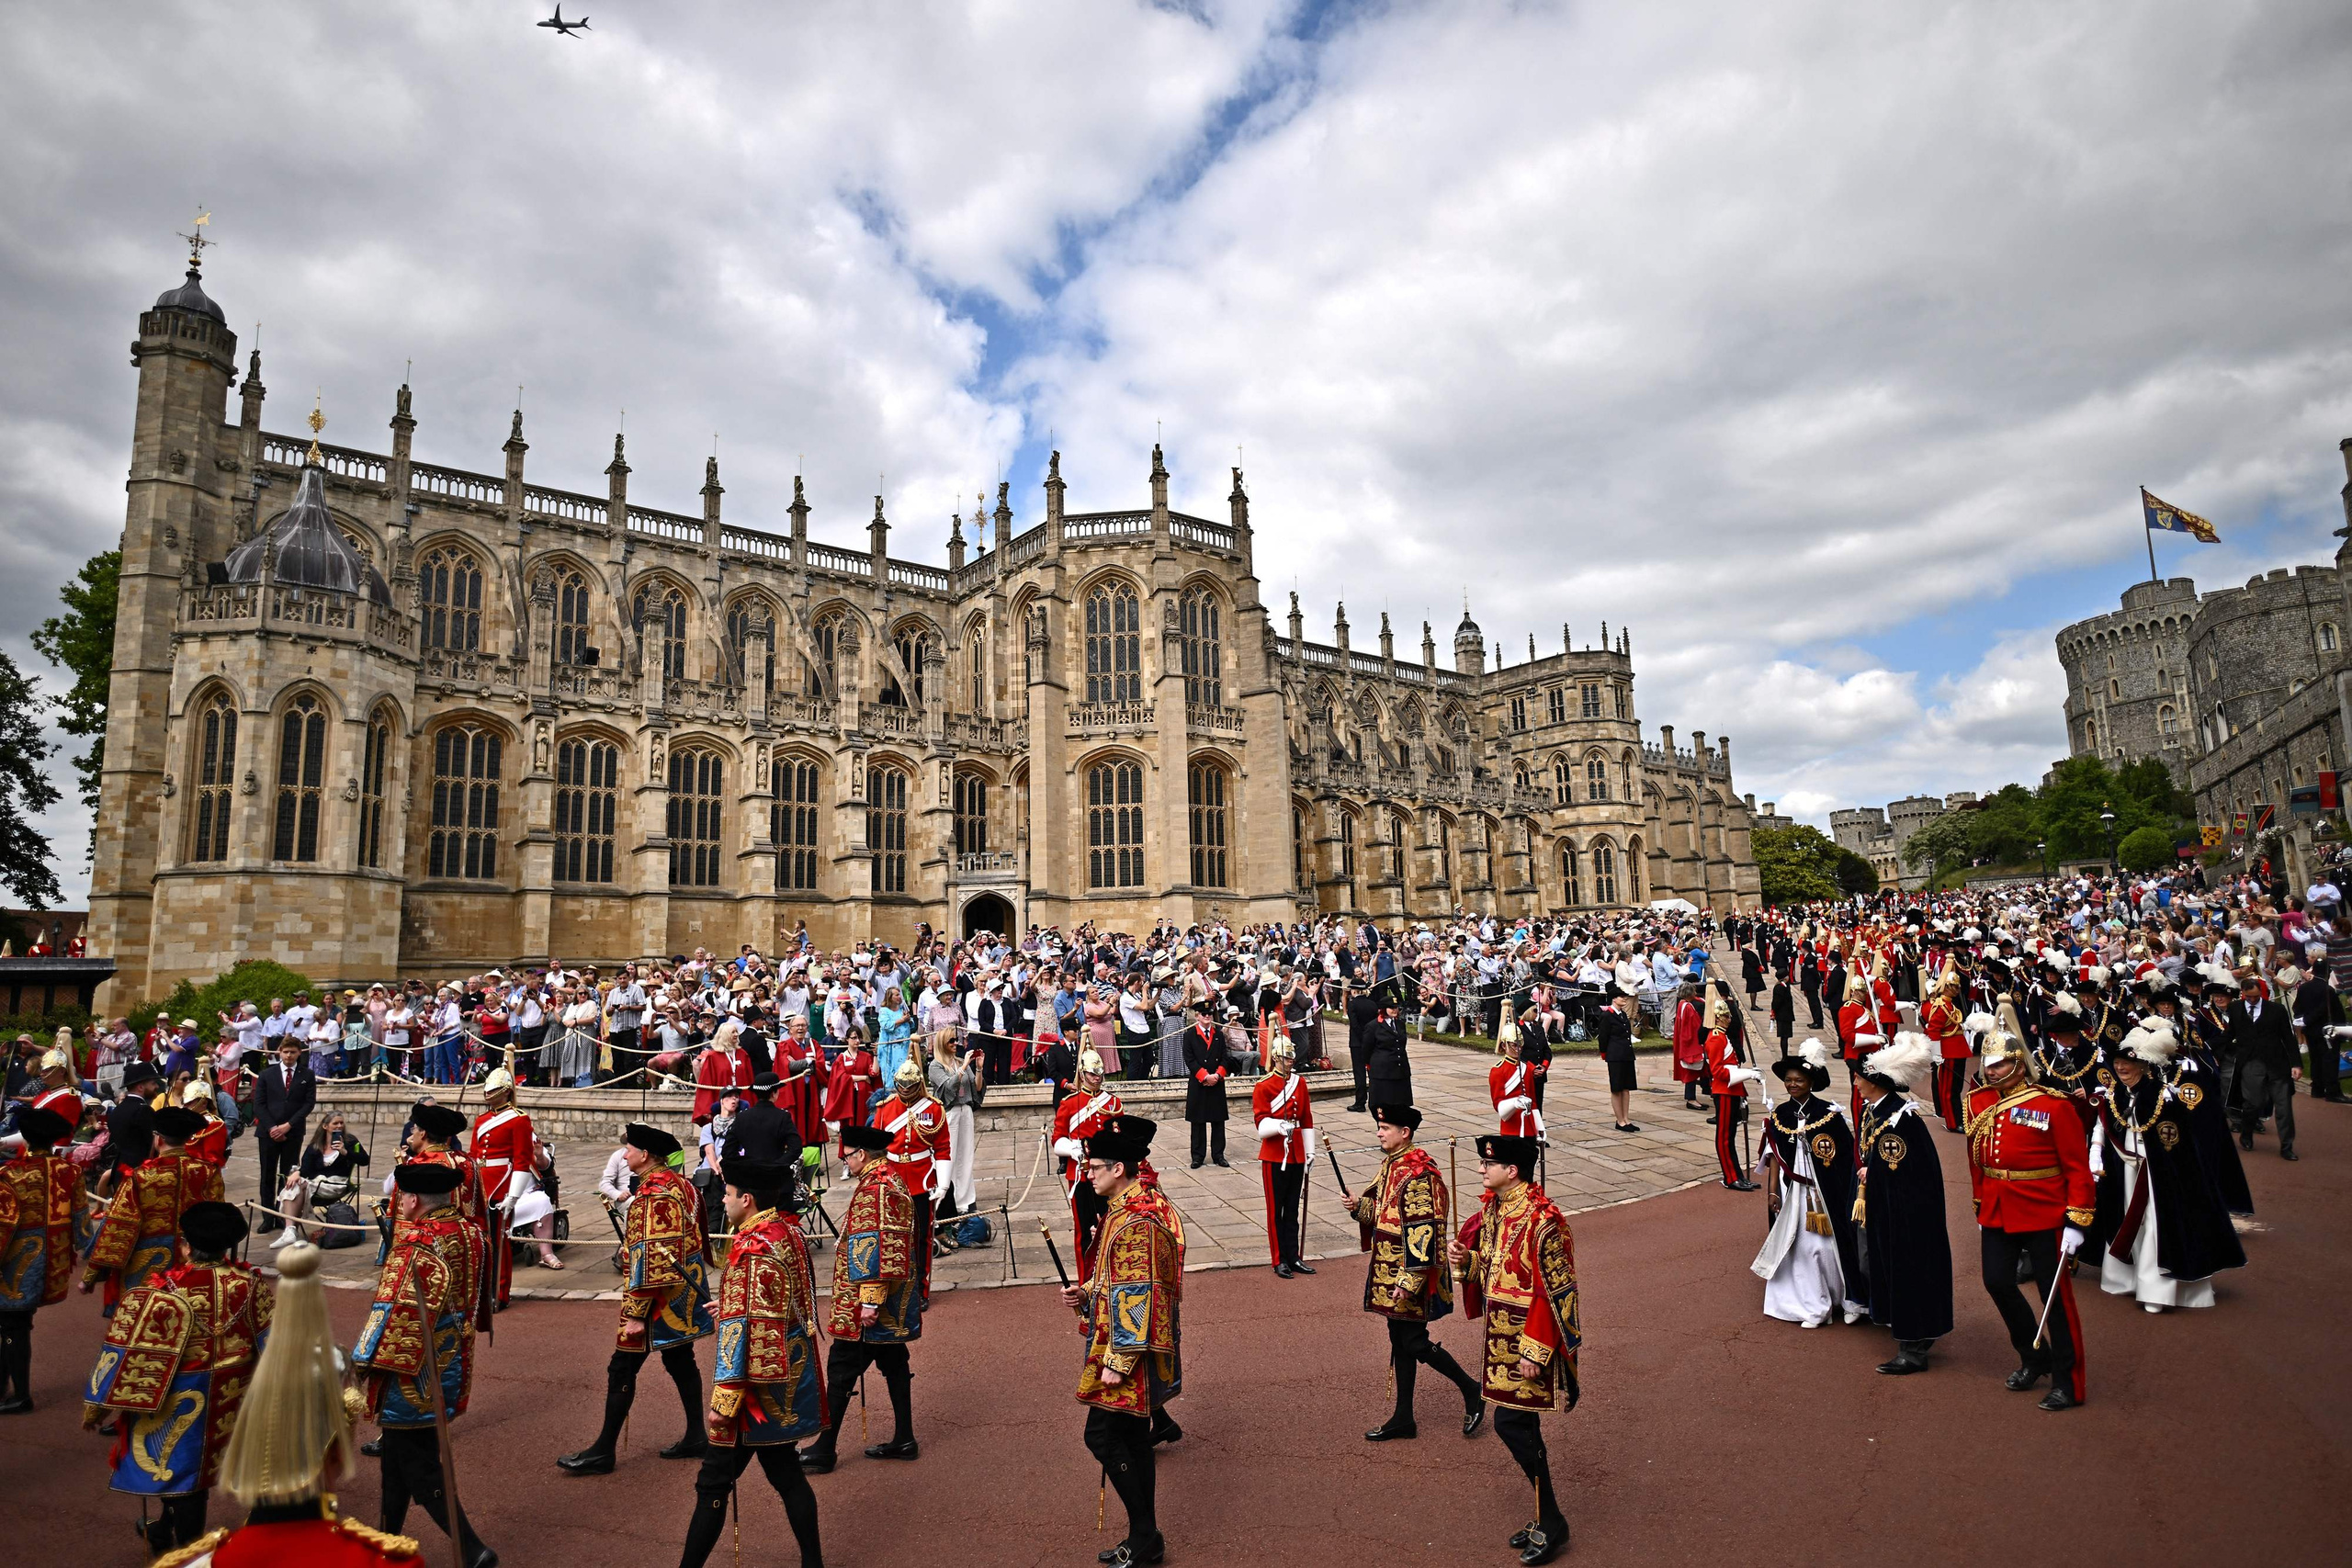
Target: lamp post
{"points": [[2107, 824], [2042, 855]]}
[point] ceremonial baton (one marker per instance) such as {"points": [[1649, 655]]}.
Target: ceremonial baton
{"points": [[440, 1414], [2042, 1323], [1340, 1180], [1046, 1229]]}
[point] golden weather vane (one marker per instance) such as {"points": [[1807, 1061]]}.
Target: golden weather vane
{"points": [[197, 241], [318, 421]]}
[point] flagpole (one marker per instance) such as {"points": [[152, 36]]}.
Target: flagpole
{"points": [[2150, 534]]}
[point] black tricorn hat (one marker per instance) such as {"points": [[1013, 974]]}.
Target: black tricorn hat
{"points": [[1504, 1148], [652, 1139], [439, 1122], [425, 1178], [1124, 1138], [213, 1227], [178, 1123], [1406, 1116], [873, 1140]]}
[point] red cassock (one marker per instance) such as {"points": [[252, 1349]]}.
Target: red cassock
{"points": [[1512, 1084], [852, 1082], [802, 1067], [1688, 1059], [717, 1071]]}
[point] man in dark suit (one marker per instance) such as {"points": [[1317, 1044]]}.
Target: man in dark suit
{"points": [[1809, 981], [282, 1100], [2267, 1071], [1364, 1007], [1385, 1063], [2317, 1009]]}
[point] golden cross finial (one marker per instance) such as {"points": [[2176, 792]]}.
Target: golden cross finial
{"points": [[197, 241], [318, 421]]}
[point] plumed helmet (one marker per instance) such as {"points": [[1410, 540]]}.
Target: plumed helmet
{"points": [[499, 1082], [908, 1077], [1090, 1063], [2000, 1045], [1282, 1050], [1507, 1036], [56, 1061]]}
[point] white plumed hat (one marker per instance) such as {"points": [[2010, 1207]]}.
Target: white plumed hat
{"points": [[1905, 1063]]}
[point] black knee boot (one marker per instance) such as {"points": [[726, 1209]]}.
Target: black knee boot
{"points": [[392, 1478], [15, 1363], [819, 1456], [1473, 1398], [1131, 1477], [1408, 1370], [620, 1392], [707, 1522], [688, 1376], [900, 1380], [799, 1503]]}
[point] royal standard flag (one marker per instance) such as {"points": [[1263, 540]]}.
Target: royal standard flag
{"points": [[2173, 520]]}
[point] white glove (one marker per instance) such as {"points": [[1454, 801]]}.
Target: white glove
{"points": [[2069, 1243], [1069, 1148], [1273, 1127], [1310, 1142], [2099, 1159], [1515, 1104]]}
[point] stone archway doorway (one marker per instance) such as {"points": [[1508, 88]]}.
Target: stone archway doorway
{"points": [[988, 912]]}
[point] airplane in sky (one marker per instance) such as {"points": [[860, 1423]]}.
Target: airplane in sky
{"points": [[567, 30]]}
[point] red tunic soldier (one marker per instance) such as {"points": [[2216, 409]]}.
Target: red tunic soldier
{"points": [[1078, 1118], [918, 1127], [504, 1149], [1727, 1081], [2028, 1166], [1510, 1085], [1284, 1115]]}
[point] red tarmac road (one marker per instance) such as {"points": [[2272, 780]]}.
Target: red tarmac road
{"points": [[1708, 1434]]}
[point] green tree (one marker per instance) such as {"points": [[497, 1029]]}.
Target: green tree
{"points": [[2150, 783], [81, 642], [2080, 789], [1945, 844], [1856, 874], [24, 791], [1796, 865], [2145, 849], [255, 981]]}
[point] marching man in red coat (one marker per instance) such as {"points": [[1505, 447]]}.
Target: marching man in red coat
{"points": [[1078, 1118], [1727, 1081], [1510, 1084], [918, 1127], [2029, 1163], [1284, 1114], [505, 1151]]}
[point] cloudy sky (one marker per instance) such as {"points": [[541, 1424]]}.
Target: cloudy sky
{"points": [[1823, 345]]}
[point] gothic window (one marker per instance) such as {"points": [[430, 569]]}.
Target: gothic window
{"points": [[1571, 882], [1596, 777], [449, 588], [971, 813], [1207, 784], [1348, 851], [373, 767], [1113, 654], [1299, 876], [910, 646], [587, 804], [216, 774], [466, 768], [1625, 768], [885, 828], [1204, 646], [792, 823], [1518, 710], [661, 605], [1519, 780], [826, 637], [975, 653], [696, 778], [1445, 851], [2168, 723], [2114, 689], [301, 760], [747, 619], [1556, 708], [1617, 693], [1604, 873], [1114, 815], [1590, 701], [1563, 782], [1395, 837], [1633, 870], [570, 618], [1446, 760]]}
